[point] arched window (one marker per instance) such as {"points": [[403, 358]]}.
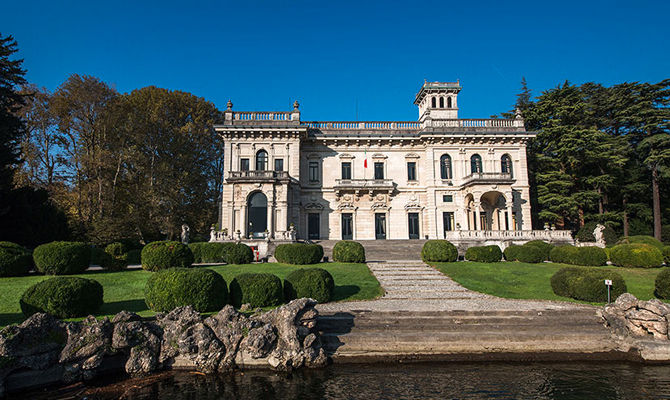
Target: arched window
{"points": [[476, 164], [506, 165], [433, 102], [448, 102], [441, 102], [445, 167], [261, 160]]}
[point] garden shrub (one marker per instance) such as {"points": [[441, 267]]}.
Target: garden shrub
{"points": [[563, 254], [666, 255], [636, 255], [299, 253], [485, 254], [512, 252], [349, 252], [587, 284], [63, 297], [258, 290], [643, 239], [585, 234], [662, 284], [210, 252], [590, 256], [134, 257], [166, 254], [543, 246], [15, 260], [532, 254], [315, 283], [117, 257], [239, 253], [439, 250], [62, 258], [201, 288]]}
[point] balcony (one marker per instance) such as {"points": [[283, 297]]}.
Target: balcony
{"points": [[257, 176], [363, 185], [494, 178]]}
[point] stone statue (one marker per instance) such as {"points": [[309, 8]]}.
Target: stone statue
{"points": [[212, 234], [598, 234], [185, 230]]}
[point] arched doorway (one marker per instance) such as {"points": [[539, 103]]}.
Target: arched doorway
{"points": [[493, 214], [257, 210]]}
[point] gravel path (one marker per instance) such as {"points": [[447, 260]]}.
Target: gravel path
{"points": [[415, 286]]}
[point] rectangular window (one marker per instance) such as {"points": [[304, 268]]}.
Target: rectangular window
{"points": [[379, 170], [313, 171], [411, 171], [448, 221], [244, 164], [279, 164], [346, 170], [447, 198]]}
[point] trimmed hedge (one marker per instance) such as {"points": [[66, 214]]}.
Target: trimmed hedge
{"points": [[166, 254], [15, 260], [585, 234], [63, 297], [587, 284], [662, 284], [134, 257], [62, 258], [666, 255], [590, 256], [299, 253], [210, 252], [636, 255], [258, 290], [563, 254], [201, 288], [439, 250], [240, 253], [512, 252], [485, 254], [532, 254], [641, 239], [119, 256], [349, 252], [315, 283], [543, 246]]}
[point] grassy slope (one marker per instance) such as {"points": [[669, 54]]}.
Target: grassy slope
{"points": [[125, 290], [518, 280]]}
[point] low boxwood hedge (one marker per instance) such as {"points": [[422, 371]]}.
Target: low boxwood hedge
{"points": [[166, 254], [532, 254], [590, 256], [201, 288], [239, 253], [563, 254], [587, 284], [512, 252], [662, 284], [210, 252], [349, 252], [485, 254], [641, 239], [666, 255], [118, 256], [439, 251], [63, 297], [315, 283], [636, 255], [299, 253], [543, 246], [15, 260], [62, 258], [258, 290]]}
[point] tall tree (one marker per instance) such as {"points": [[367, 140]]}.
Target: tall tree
{"points": [[657, 150]]}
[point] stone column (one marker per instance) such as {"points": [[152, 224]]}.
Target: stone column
{"points": [[243, 220], [477, 222]]}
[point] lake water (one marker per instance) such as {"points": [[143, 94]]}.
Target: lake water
{"points": [[574, 381]]}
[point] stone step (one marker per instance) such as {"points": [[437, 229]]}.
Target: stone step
{"points": [[585, 312], [456, 326]]}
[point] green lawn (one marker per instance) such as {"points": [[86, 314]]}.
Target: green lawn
{"points": [[516, 280], [125, 290]]}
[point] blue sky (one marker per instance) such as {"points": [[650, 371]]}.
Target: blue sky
{"points": [[341, 59]]}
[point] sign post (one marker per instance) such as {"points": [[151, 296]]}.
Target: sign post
{"points": [[608, 282]]}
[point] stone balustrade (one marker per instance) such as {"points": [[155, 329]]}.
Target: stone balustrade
{"points": [[488, 177], [256, 176], [516, 236], [262, 116], [414, 125]]}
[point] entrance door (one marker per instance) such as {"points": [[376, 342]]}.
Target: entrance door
{"points": [[413, 225], [380, 226], [448, 221], [347, 231], [258, 215], [313, 226]]}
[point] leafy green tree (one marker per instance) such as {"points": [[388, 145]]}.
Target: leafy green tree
{"points": [[657, 151]]}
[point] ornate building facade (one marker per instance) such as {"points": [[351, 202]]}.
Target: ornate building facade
{"points": [[437, 177]]}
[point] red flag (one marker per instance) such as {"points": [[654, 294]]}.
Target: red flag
{"points": [[365, 161]]}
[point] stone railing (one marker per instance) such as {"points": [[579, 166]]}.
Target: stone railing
{"points": [[476, 123], [256, 175], [355, 125], [492, 177], [363, 184], [562, 236], [262, 116]]}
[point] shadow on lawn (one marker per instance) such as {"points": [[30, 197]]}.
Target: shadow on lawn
{"points": [[11, 318], [345, 291], [113, 307]]}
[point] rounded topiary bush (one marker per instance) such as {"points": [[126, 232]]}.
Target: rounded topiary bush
{"points": [[258, 290], [563, 254], [117, 257], [666, 255], [210, 252], [299, 253], [585, 234], [439, 250], [315, 283], [530, 254], [543, 246], [590, 256], [238, 253], [512, 252], [485, 254], [348, 251], [587, 284], [636, 255], [166, 254], [63, 297], [662, 284], [62, 258], [641, 239], [15, 260], [201, 288]]}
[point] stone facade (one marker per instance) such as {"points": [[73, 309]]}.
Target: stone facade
{"points": [[438, 177]]}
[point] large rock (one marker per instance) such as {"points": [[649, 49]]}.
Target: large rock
{"points": [[35, 344], [87, 344], [628, 316], [230, 327], [141, 340]]}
